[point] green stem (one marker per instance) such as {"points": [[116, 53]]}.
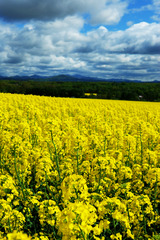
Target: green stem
{"points": [[82, 233], [141, 146], [56, 157], [49, 188], [1, 161], [105, 146], [155, 193], [17, 174], [78, 161]]}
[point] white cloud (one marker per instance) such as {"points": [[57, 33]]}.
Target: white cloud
{"points": [[129, 23], [156, 5], [108, 14], [52, 47], [142, 38]]}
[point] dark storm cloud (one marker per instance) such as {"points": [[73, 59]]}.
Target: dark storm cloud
{"points": [[84, 49], [14, 60], [146, 48], [102, 11], [34, 9], [152, 49]]}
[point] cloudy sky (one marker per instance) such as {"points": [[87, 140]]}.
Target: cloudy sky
{"points": [[97, 38]]}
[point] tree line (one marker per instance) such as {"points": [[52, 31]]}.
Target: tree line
{"points": [[102, 90]]}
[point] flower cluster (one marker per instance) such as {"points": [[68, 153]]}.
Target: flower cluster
{"points": [[79, 169]]}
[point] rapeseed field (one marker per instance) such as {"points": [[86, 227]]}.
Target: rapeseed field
{"points": [[79, 169]]}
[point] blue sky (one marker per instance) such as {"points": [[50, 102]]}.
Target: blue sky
{"points": [[104, 38]]}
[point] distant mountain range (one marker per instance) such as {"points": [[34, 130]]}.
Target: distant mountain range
{"points": [[68, 78]]}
